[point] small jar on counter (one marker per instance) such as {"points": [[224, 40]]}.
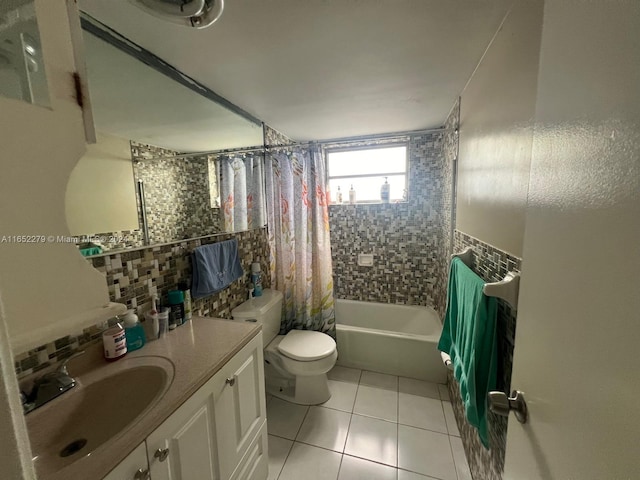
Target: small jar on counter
{"points": [[115, 343]]}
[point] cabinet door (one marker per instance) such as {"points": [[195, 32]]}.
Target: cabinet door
{"points": [[255, 464], [239, 405], [134, 467], [184, 446]]}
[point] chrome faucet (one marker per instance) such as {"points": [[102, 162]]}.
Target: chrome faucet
{"points": [[49, 386]]}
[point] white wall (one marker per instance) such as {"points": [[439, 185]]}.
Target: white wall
{"points": [[496, 128], [101, 194]]}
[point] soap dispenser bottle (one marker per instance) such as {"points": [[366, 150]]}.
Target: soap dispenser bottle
{"points": [[352, 195], [385, 191], [134, 332]]}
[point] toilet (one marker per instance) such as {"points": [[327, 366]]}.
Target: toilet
{"points": [[296, 364]]}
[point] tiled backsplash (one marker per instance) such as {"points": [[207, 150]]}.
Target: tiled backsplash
{"points": [[184, 210], [492, 265], [407, 239], [133, 276]]}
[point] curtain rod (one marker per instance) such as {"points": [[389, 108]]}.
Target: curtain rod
{"points": [[362, 138], [202, 154]]}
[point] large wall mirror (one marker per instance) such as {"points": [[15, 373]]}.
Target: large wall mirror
{"points": [[161, 159]]}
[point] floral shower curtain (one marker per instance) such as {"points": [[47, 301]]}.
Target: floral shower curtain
{"points": [[298, 223], [242, 191]]}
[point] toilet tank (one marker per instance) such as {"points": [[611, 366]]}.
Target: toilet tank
{"points": [[266, 309]]}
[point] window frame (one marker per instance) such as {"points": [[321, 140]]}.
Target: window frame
{"points": [[403, 143]]}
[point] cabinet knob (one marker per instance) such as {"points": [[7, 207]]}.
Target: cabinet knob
{"points": [[231, 381], [142, 474], [161, 454]]}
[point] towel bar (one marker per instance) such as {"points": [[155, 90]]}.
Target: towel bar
{"points": [[507, 288]]}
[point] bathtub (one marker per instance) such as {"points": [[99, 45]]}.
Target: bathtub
{"points": [[395, 339]]}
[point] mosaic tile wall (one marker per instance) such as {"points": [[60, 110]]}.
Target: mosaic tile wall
{"points": [[274, 137], [133, 276], [182, 211], [407, 239], [492, 265], [450, 157]]}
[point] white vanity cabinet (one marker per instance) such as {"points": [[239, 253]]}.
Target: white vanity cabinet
{"points": [[219, 433], [134, 467]]}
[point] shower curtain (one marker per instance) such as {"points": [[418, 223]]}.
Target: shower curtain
{"points": [[298, 223], [241, 191]]}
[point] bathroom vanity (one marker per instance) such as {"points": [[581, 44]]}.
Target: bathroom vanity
{"points": [[206, 421]]}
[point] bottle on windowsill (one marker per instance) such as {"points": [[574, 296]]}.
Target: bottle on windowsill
{"points": [[385, 191]]}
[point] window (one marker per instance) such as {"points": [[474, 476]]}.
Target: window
{"points": [[366, 169]]}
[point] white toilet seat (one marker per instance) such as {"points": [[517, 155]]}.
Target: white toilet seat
{"points": [[306, 345], [295, 367]]}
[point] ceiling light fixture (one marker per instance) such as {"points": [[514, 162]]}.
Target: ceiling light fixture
{"points": [[189, 13]]}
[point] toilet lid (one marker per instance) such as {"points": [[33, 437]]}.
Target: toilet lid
{"points": [[306, 346]]}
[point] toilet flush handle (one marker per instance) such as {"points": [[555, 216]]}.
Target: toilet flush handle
{"points": [[231, 381]]}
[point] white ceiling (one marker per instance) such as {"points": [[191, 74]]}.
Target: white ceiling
{"points": [[317, 69]]}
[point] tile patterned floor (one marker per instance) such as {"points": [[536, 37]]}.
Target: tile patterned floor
{"points": [[374, 427]]}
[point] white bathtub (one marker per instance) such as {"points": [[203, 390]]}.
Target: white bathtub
{"points": [[395, 339]]}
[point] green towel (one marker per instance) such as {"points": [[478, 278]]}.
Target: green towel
{"points": [[469, 337]]}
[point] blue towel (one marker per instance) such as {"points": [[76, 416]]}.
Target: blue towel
{"points": [[469, 337], [215, 266]]}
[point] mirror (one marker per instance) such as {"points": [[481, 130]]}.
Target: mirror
{"points": [[152, 165]]}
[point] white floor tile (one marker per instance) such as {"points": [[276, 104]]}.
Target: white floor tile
{"points": [[353, 468], [311, 463], [278, 450], [444, 393], [460, 459], [449, 416], [343, 396], [325, 428], [404, 475], [425, 452], [344, 374], [380, 380], [418, 387], [376, 402], [284, 418], [373, 439], [421, 412]]}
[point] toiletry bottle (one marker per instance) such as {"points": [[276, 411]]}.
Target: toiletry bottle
{"points": [[176, 305], [184, 288], [134, 332], [352, 195], [151, 323], [338, 196], [385, 191], [114, 342], [256, 279]]}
